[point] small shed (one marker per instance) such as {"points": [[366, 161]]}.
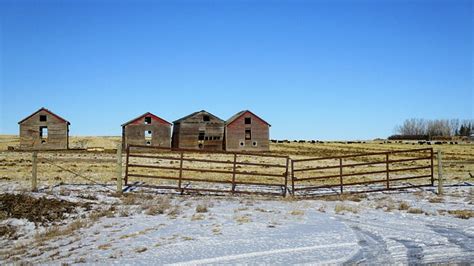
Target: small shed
{"points": [[245, 131], [199, 130], [44, 130], [147, 129]]}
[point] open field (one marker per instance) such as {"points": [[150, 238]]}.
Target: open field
{"points": [[99, 166], [76, 217]]}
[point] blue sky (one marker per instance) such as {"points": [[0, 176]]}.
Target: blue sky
{"points": [[313, 69]]}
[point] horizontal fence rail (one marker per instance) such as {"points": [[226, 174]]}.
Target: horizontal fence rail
{"points": [[252, 173], [241, 172], [393, 171]]}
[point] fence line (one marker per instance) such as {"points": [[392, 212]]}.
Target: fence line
{"points": [[234, 181], [277, 172], [298, 186]]}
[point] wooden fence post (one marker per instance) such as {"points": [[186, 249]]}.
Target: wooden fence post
{"points": [[432, 167], [286, 176], [292, 177], [340, 175], [181, 159], [234, 168], [34, 171], [440, 174], [127, 160], [119, 168], [388, 170]]}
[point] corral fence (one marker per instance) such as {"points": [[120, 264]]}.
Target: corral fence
{"points": [[240, 173], [72, 167], [207, 171], [366, 172]]}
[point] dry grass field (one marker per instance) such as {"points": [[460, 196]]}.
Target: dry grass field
{"points": [[92, 159], [70, 220]]}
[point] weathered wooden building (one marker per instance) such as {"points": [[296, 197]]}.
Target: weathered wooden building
{"points": [[44, 130], [199, 130], [147, 129], [245, 131]]}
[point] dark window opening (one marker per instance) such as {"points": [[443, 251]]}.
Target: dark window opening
{"points": [[43, 118], [201, 135], [206, 118], [242, 144], [206, 138], [254, 144], [248, 121], [148, 143], [200, 146], [148, 120], [248, 134]]}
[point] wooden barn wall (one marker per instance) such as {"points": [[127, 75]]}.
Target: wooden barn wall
{"points": [[235, 133], [58, 131], [187, 133], [134, 133]]}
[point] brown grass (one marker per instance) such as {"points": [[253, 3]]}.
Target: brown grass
{"points": [[436, 200], [55, 231], [415, 210], [201, 208], [141, 249], [99, 165], [462, 214], [403, 206], [197, 217], [297, 212], [241, 219], [341, 208], [8, 231]]}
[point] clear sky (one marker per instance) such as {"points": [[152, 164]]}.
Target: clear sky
{"points": [[313, 69]]}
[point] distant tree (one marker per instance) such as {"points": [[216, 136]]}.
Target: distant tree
{"points": [[413, 126], [454, 126], [435, 128], [438, 127], [466, 128]]}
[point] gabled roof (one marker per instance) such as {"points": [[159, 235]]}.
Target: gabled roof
{"points": [[195, 113], [241, 113], [49, 112], [147, 114]]}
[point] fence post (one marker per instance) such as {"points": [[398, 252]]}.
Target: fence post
{"points": [[340, 175], [293, 177], [440, 174], [119, 168], [388, 171], [233, 172], [180, 171], [286, 176], [34, 171], [126, 164], [432, 168]]}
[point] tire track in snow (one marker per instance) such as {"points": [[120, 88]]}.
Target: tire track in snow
{"points": [[415, 252], [265, 253], [373, 249]]}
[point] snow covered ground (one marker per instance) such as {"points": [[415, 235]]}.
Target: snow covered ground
{"points": [[397, 227]]}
